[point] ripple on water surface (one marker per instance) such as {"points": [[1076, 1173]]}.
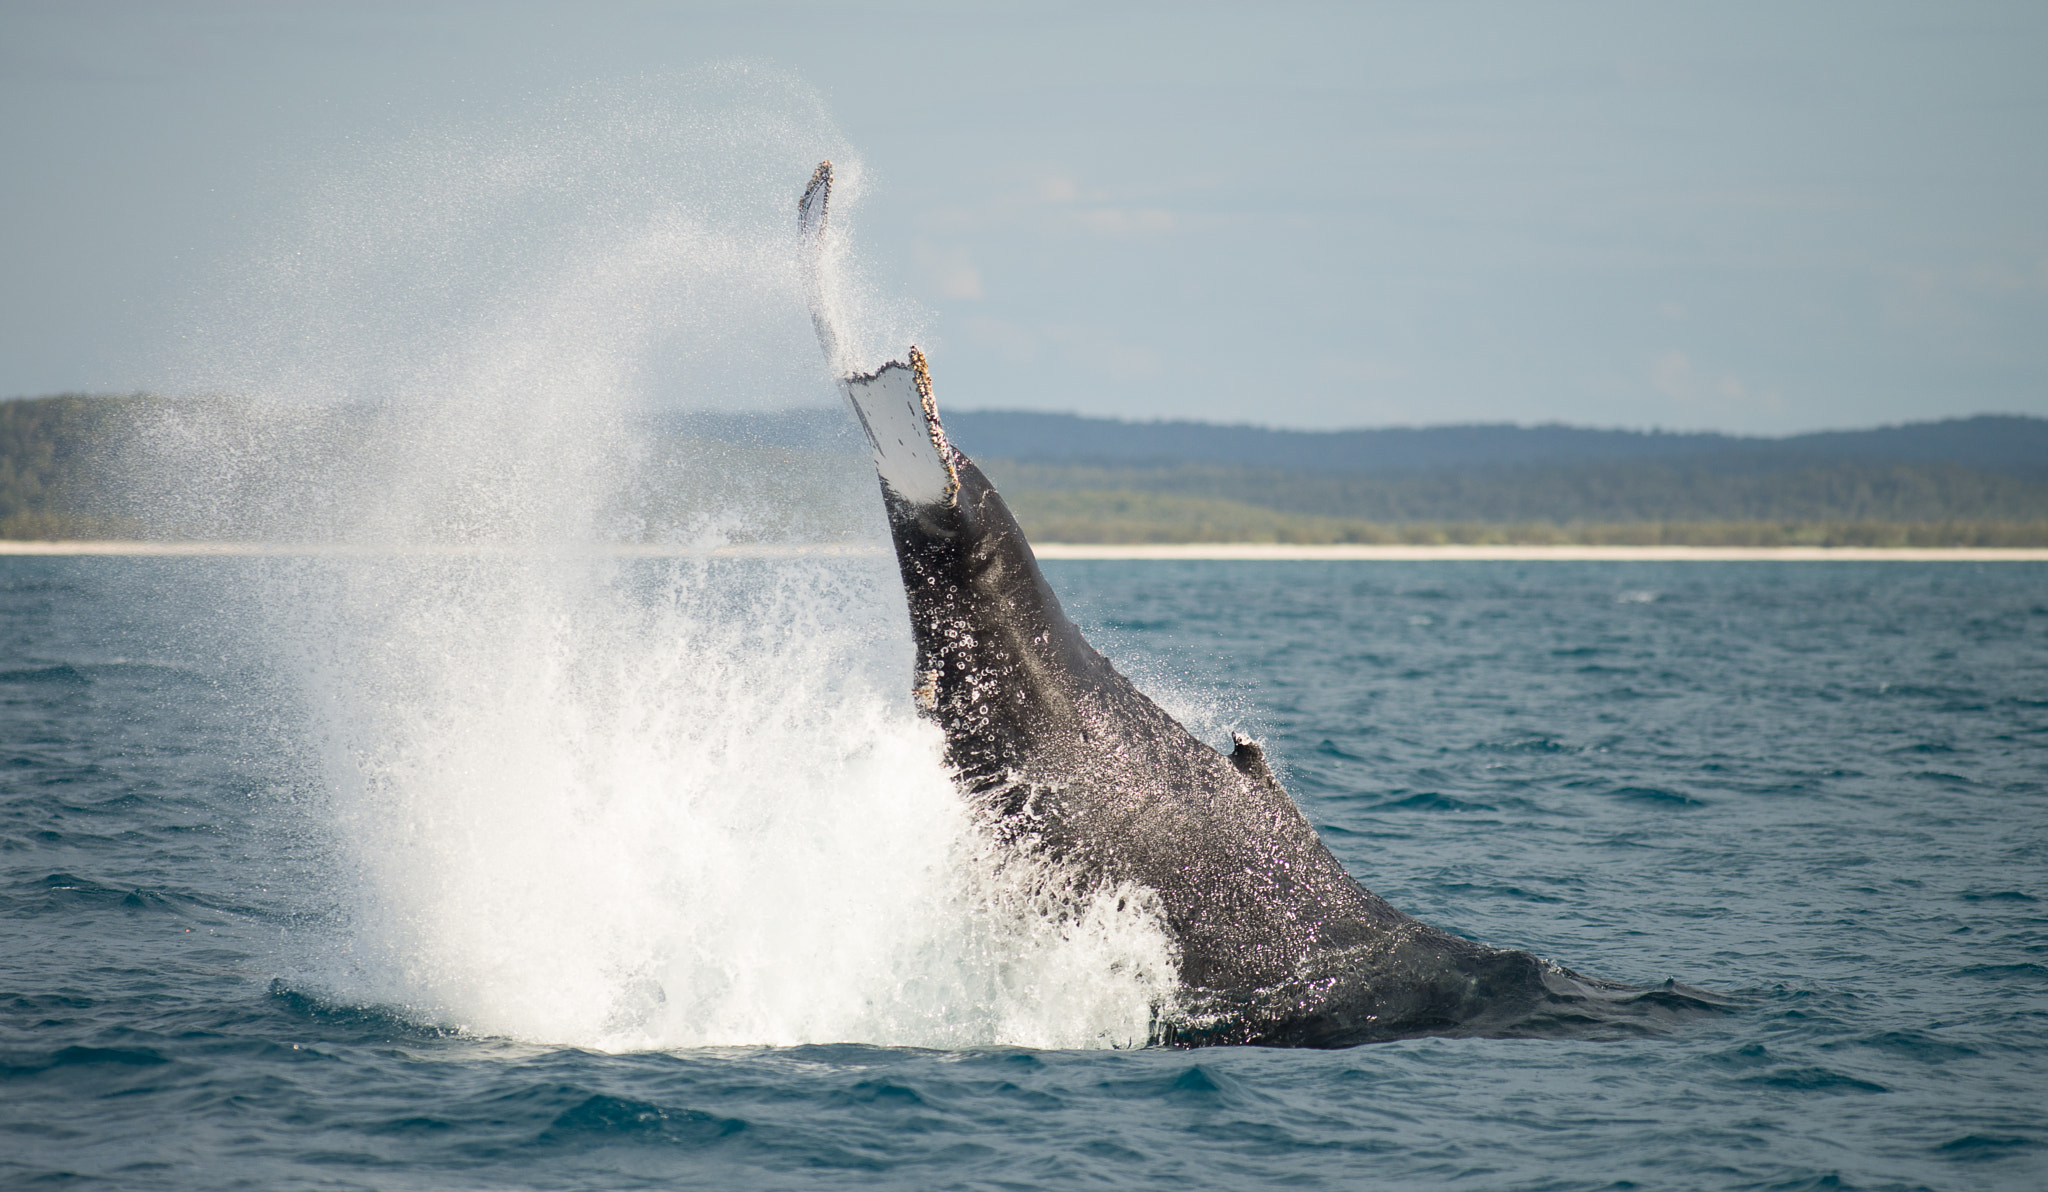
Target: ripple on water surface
{"points": [[1727, 784]]}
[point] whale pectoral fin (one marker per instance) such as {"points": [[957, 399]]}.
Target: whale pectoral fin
{"points": [[894, 403], [904, 435], [1250, 759], [811, 208]]}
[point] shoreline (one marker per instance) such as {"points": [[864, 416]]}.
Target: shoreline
{"points": [[1221, 551], [1563, 553], [287, 550]]}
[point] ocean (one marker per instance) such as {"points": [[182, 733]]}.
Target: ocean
{"points": [[491, 874]]}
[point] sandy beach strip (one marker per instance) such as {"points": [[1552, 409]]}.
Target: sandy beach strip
{"points": [[1244, 551], [649, 550], [1632, 554]]}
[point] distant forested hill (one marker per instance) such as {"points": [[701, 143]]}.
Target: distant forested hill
{"points": [[1984, 478], [1999, 443], [1699, 489], [1980, 480], [1964, 481], [47, 448]]}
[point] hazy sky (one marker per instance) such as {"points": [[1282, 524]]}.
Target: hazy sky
{"points": [[1752, 217]]}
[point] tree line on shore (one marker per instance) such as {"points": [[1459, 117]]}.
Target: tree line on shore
{"points": [[58, 456]]}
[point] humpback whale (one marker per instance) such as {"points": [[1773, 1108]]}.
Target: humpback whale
{"points": [[1062, 756]]}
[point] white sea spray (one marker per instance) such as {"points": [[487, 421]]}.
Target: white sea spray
{"points": [[564, 794]]}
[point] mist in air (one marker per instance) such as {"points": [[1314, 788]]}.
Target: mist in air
{"points": [[563, 771]]}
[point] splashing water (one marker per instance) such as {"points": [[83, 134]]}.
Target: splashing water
{"points": [[564, 795]]}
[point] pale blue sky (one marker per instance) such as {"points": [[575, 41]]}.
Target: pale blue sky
{"points": [[1749, 217]]}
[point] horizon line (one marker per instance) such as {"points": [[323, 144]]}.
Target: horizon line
{"points": [[1154, 552], [1551, 424], [1547, 425]]}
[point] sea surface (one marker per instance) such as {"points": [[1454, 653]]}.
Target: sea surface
{"points": [[1817, 790]]}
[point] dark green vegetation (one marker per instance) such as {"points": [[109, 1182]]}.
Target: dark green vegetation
{"points": [[1129, 516], [1993, 442], [1835, 504], [51, 452], [1965, 482]]}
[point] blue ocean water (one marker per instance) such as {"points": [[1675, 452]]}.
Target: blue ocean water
{"points": [[1819, 790]]}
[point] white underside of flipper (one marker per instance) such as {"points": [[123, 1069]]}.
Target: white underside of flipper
{"points": [[894, 403], [896, 411]]}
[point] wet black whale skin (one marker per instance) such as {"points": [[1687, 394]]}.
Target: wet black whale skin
{"points": [[1278, 944]]}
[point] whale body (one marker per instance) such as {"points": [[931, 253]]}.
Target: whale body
{"points": [[1062, 756]]}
